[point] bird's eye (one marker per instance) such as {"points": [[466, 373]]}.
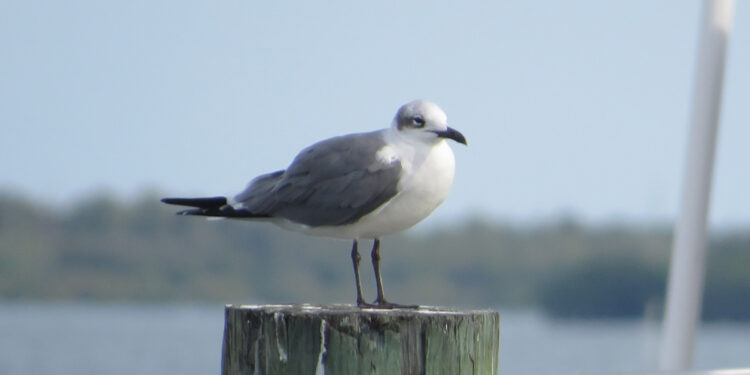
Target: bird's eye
{"points": [[418, 121]]}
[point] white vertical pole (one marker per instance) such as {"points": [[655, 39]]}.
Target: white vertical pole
{"points": [[687, 269]]}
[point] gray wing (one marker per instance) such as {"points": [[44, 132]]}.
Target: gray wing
{"points": [[333, 182]]}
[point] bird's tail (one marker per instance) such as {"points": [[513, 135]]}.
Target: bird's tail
{"points": [[211, 207]]}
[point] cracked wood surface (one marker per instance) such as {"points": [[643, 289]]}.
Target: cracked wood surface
{"points": [[342, 339]]}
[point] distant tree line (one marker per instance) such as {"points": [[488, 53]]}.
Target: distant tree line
{"points": [[104, 249]]}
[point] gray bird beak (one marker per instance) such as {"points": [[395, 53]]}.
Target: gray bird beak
{"points": [[451, 133]]}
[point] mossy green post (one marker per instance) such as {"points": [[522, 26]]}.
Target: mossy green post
{"points": [[332, 340]]}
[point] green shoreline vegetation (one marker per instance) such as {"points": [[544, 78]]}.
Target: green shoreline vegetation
{"points": [[103, 249]]}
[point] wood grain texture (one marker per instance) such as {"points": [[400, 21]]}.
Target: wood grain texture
{"points": [[341, 339]]}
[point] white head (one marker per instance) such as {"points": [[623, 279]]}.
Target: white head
{"points": [[424, 120]]}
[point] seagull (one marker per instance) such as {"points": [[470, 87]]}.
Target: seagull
{"points": [[356, 186]]}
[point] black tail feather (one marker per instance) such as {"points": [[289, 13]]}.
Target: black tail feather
{"points": [[203, 203], [212, 206]]}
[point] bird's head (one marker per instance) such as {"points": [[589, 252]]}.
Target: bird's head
{"points": [[424, 120]]}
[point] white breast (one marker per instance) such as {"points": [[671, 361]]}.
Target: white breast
{"points": [[428, 176]]}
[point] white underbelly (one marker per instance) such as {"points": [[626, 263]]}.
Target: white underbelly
{"points": [[427, 186]]}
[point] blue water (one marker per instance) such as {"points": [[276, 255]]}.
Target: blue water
{"points": [[186, 339]]}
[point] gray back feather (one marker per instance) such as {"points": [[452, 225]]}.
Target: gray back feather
{"points": [[333, 182]]}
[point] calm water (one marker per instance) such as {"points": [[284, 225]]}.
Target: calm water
{"points": [[144, 339]]}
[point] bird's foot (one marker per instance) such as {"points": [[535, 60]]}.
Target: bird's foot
{"points": [[383, 304], [389, 305], [362, 304]]}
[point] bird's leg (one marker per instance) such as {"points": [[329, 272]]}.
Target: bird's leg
{"points": [[355, 262], [380, 300]]}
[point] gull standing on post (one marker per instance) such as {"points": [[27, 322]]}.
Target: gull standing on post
{"points": [[356, 186]]}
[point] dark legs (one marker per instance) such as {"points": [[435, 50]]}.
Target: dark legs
{"points": [[380, 301], [355, 263]]}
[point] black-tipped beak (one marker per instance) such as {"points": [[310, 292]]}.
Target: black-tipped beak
{"points": [[453, 134]]}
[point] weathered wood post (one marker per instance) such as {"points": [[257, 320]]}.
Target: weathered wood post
{"points": [[341, 339]]}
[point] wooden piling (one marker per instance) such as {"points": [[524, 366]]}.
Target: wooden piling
{"points": [[341, 339]]}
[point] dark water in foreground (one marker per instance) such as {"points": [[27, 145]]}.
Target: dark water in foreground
{"points": [[177, 339]]}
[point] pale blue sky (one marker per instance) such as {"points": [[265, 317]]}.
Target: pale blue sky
{"points": [[574, 106]]}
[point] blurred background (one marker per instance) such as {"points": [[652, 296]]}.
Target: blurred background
{"points": [[561, 214]]}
